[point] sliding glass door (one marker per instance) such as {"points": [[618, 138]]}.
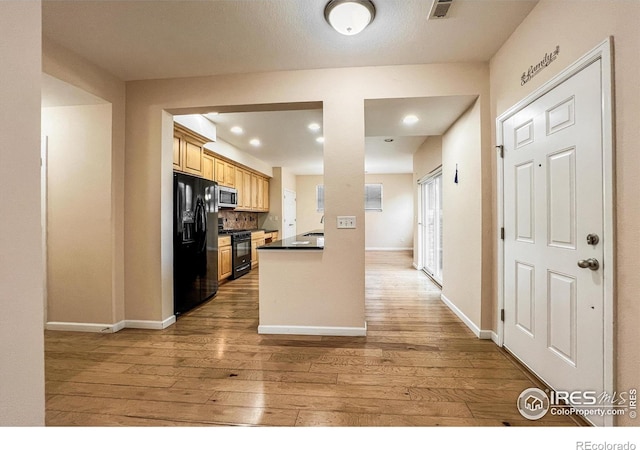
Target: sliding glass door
{"points": [[431, 190]]}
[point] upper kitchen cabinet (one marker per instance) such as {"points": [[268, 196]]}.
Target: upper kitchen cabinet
{"points": [[187, 152], [208, 166], [190, 156], [225, 173]]}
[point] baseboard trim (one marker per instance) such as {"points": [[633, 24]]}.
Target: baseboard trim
{"points": [[480, 334], [313, 331], [388, 249], [151, 324], [85, 327], [110, 328]]}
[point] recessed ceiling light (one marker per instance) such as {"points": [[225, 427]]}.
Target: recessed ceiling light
{"points": [[314, 126], [237, 130], [410, 119], [255, 142], [320, 139]]}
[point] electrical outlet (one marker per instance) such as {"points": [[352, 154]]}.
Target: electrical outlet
{"points": [[346, 221]]}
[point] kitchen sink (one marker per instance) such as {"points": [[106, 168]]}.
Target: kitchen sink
{"points": [[314, 234]]}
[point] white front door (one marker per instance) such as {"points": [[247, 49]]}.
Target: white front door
{"points": [[289, 214], [553, 211]]}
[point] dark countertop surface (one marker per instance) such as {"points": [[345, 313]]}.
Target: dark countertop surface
{"points": [[300, 242]]}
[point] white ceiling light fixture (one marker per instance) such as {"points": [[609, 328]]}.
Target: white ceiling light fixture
{"points": [[255, 142], [320, 139], [349, 17], [237, 130], [410, 119], [314, 126]]}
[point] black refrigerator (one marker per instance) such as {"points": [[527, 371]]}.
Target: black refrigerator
{"points": [[195, 241]]}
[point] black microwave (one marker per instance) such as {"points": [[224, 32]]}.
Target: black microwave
{"points": [[227, 197]]}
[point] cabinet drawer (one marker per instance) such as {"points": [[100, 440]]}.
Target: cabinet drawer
{"points": [[224, 241]]}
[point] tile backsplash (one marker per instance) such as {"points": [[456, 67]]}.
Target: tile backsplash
{"points": [[232, 220]]}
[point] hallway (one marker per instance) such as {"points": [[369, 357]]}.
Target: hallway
{"points": [[417, 366]]}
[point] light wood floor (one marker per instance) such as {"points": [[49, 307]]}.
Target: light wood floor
{"points": [[417, 366]]}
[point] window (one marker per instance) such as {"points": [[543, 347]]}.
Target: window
{"points": [[372, 197], [320, 198]]}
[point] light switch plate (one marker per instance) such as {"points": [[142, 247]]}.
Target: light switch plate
{"points": [[346, 221]]}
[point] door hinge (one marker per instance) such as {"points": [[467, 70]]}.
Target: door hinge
{"points": [[501, 148], [502, 233], [502, 315]]}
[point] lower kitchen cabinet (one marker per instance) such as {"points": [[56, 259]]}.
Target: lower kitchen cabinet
{"points": [[257, 240], [225, 266]]}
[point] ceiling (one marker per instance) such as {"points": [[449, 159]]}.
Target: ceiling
{"points": [[150, 39]]}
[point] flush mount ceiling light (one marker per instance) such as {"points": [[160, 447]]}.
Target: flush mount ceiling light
{"points": [[255, 142], [349, 17], [410, 119], [237, 130]]}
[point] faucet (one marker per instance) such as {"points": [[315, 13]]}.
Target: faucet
{"points": [[322, 220]]}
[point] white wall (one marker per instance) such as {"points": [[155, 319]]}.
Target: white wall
{"points": [[391, 228], [21, 264], [79, 258]]}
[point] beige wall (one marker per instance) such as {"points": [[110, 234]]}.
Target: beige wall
{"points": [[425, 160], [391, 228], [462, 233], [577, 27], [21, 265], [79, 244], [76, 71], [342, 92]]}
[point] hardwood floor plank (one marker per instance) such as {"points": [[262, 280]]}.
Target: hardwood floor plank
{"points": [[419, 365]]}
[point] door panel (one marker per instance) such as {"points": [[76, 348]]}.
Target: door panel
{"points": [[553, 198]]}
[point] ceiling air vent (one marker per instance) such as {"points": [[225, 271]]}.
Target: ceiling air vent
{"points": [[439, 9]]}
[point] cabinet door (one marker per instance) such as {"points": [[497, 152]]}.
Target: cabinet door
{"points": [[254, 191], [265, 195], [230, 174], [192, 157], [260, 194], [219, 172], [239, 182], [247, 193], [177, 153], [208, 166], [224, 263], [254, 253]]}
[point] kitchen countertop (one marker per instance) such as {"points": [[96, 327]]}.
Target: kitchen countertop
{"points": [[300, 242]]}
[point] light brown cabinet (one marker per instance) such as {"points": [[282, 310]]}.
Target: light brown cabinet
{"points": [[208, 167], [257, 240], [187, 152], [177, 153], [265, 195], [189, 156], [225, 265], [225, 173]]}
